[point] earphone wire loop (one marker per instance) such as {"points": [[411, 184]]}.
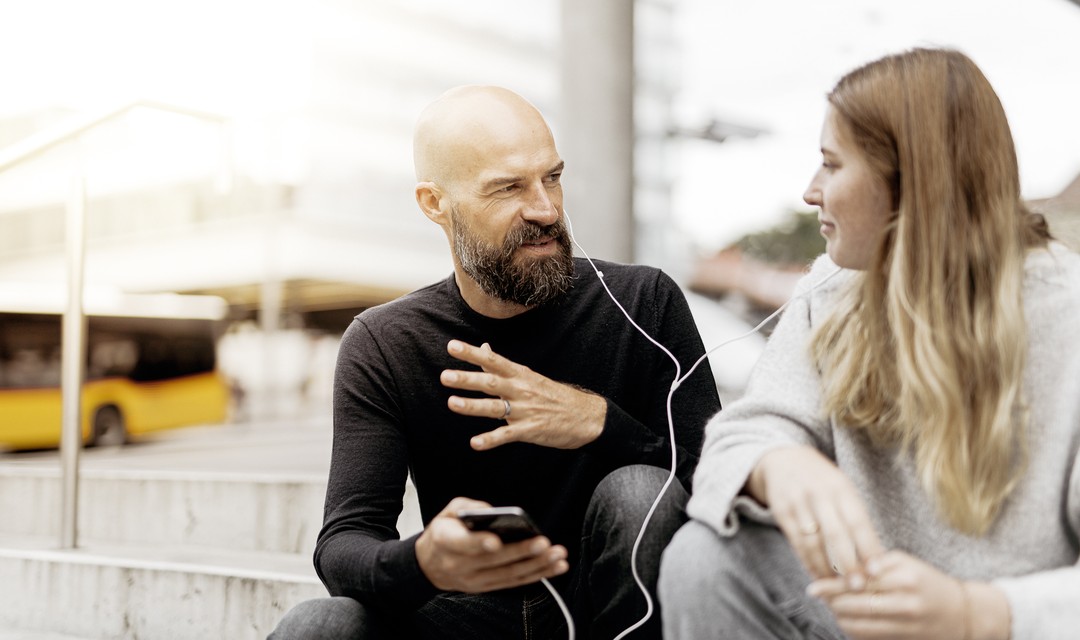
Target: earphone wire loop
{"points": [[675, 383]]}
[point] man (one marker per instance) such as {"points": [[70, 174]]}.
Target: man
{"points": [[516, 381]]}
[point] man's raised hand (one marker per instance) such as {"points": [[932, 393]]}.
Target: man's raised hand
{"points": [[541, 411]]}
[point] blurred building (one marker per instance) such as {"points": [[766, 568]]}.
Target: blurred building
{"points": [[1063, 213], [289, 192]]}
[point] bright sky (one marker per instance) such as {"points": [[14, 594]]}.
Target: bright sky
{"points": [[769, 64], [89, 55], [766, 64]]}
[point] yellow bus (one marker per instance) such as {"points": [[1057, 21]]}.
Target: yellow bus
{"points": [[150, 365]]}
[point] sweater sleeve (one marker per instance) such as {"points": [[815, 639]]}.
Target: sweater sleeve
{"points": [[631, 441], [358, 553], [781, 407], [1044, 604]]}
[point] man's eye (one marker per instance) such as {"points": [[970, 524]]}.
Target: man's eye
{"points": [[510, 188], [555, 177]]}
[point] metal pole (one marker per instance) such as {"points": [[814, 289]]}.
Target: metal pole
{"points": [[271, 303], [225, 178], [73, 348]]}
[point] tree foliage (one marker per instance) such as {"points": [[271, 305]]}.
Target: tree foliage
{"points": [[794, 241]]}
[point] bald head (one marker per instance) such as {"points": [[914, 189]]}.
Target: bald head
{"points": [[457, 134]]}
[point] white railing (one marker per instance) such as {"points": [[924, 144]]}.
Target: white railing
{"points": [[73, 344]]}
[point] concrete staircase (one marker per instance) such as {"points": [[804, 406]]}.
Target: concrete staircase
{"points": [[162, 554]]}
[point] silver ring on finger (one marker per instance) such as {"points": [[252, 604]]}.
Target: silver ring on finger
{"points": [[506, 410]]}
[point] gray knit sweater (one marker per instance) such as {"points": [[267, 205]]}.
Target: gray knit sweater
{"points": [[1031, 550]]}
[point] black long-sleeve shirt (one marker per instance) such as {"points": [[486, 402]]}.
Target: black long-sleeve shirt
{"points": [[391, 417]]}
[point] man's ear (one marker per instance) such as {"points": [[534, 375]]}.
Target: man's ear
{"points": [[430, 198]]}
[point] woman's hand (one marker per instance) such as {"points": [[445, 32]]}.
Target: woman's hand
{"points": [[819, 510], [906, 598]]}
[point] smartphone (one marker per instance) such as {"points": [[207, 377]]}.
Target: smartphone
{"points": [[511, 524]]}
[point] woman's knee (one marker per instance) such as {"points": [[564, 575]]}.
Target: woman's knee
{"points": [[751, 584], [694, 563]]}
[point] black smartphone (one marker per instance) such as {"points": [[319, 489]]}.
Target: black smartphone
{"points": [[511, 524]]}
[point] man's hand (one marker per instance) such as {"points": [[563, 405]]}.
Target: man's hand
{"points": [[456, 559], [542, 411]]}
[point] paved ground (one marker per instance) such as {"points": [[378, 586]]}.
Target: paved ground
{"points": [[284, 445]]}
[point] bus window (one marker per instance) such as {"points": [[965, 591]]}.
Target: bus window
{"points": [[30, 367], [30, 352], [111, 357], [153, 372]]}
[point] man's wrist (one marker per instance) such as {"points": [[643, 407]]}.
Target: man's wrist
{"points": [[598, 416], [594, 415]]}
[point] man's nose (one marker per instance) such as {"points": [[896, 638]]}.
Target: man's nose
{"points": [[540, 208]]}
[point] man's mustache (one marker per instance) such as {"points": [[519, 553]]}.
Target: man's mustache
{"points": [[530, 231]]}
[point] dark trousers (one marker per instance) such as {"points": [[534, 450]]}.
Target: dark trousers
{"points": [[602, 593]]}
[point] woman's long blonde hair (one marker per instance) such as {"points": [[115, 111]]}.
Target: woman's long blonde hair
{"points": [[927, 348]]}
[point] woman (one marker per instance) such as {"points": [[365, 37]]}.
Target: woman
{"points": [[904, 461]]}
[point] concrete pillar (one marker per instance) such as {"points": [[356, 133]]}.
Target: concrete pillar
{"points": [[596, 126], [657, 72], [266, 403]]}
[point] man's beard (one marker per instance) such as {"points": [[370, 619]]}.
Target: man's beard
{"points": [[528, 282]]}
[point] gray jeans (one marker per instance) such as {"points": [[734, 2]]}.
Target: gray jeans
{"points": [[751, 585]]}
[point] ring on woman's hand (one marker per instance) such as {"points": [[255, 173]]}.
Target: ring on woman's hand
{"points": [[506, 411], [809, 529], [875, 603]]}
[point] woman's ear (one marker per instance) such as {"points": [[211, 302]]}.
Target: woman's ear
{"points": [[430, 198]]}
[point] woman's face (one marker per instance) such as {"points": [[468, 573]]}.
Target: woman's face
{"points": [[855, 202]]}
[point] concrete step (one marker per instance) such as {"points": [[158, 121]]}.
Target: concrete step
{"points": [[246, 511], [133, 591], [15, 634], [203, 536], [243, 511]]}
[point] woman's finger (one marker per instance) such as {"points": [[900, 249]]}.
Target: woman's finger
{"points": [[806, 536], [839, 535]]}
